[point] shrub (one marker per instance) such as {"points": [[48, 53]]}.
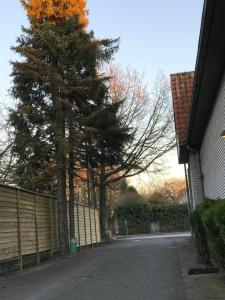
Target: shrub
{"points": [[208, 225], [214, 222], [200, 237]]}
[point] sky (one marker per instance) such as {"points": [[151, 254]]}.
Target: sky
{"points": [[154, 35]]}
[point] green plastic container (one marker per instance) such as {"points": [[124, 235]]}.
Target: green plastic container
{"points": [[73, 246]]}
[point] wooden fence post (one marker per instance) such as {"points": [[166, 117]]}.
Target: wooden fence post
{"points": [[99, 226], [20, 241], [90, 225], [36, 228], [78, 225], [85, 226], [50, 223], [96, 236]]}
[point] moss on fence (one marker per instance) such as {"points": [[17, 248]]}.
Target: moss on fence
{"points": [[139, 218]]}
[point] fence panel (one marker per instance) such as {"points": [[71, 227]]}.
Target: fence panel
{"points": [[28, 223], [87, 227], [93, 226], [9, 237]]}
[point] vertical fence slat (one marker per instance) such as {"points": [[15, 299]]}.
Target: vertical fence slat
{"points": [[20, 242], [36, 227]]}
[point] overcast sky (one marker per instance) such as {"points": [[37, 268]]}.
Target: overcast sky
{"points": [[155, 34]]}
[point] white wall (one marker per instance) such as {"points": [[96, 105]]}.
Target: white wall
{"points": [[213, 150]]}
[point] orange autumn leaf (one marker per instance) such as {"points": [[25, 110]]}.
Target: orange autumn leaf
{"points": [[56, 10]]}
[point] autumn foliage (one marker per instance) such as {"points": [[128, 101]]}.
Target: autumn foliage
{"points": [[56, 10]]}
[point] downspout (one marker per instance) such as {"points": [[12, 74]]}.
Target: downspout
{"points": [[200, 167], [188, 190]]}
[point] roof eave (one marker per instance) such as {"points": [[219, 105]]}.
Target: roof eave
{"points": [[209, 69]]}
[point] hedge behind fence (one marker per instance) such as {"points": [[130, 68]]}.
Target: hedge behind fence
{"points": [[139, 218]]}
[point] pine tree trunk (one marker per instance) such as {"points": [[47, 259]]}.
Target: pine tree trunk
{"points": [[103, 212], [61, 184], [71, 195], [93, 188], [71, 180], [88, 181]]}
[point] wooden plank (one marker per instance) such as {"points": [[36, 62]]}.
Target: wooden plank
{"points": [[7, 235], [7, 204], [90, 225], [8, 238], [29, 251], [85, 233], [96, 236], [9, 244], [87, 225], [8, 209], [8, 253], [7, 200], [8, 230], [98, 229], [27, 196], [36, 229], [78, 224], [93, 225], [8, 190], [19, 231], [7, 215], [8, 225]]}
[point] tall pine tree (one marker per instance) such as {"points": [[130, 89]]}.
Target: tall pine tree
{"points": [[55, 80]]}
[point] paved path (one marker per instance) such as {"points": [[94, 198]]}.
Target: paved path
{"points": [[139, 268]]}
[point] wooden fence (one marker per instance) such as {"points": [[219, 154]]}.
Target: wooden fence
{"points": [[87, 225], [29, 224]]}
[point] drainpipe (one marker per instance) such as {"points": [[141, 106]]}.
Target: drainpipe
{"points": [[188, 190], [200, 167]]}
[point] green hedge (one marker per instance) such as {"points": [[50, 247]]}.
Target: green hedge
{"points": [[208, 223], [140, 216]]}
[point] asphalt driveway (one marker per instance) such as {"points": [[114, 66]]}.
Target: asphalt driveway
{"points": [[138, 268]]}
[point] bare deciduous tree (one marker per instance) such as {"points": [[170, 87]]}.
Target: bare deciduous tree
{"points": [[149, 117], [148, 114]]}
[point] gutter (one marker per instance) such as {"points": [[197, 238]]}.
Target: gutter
{"points": [[206, 26]]}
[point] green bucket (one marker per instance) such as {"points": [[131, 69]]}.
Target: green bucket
{"points": [[73, 246]]}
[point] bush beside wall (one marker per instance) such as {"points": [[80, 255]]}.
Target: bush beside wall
{"points": [[209, 230], [139, 217]]}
